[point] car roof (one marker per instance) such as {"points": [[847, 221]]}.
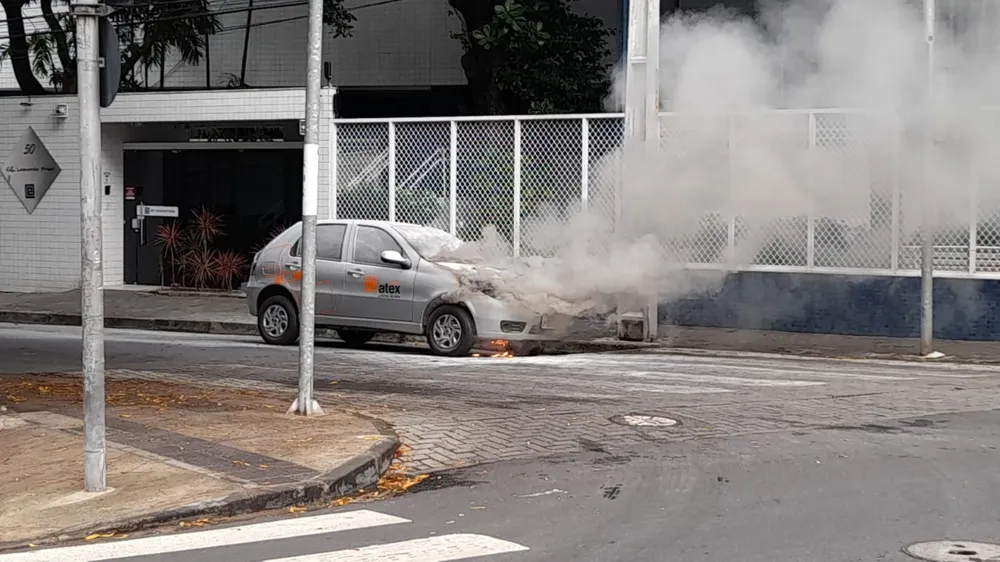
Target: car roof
{"points": [[368, 222]]}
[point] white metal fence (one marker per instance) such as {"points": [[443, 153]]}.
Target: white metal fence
{"points": [[824, 191]]}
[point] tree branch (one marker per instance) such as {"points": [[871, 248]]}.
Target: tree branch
{"points": [[62, 47], [18, 48]]}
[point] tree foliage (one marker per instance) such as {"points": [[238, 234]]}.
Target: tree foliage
{"points": [[535, 56]]}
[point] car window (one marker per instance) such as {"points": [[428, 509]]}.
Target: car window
{"points": [[370, 244], [329, 242]]}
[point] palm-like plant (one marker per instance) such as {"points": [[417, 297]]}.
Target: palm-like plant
{"points": [[170, 238], [201, 266], [205, 226], [229, 264]]}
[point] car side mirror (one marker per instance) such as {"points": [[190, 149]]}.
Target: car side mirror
{"points": [[395, 258]]}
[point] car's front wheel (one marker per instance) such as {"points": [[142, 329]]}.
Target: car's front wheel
{"points": [[278, 321], [355, 337], [450, 331]]}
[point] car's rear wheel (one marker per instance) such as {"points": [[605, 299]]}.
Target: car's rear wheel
{"points": [[450, 331], [278, 321], [355, 337]]}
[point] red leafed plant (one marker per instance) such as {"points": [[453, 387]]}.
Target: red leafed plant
{"points": [[229, 264], [170, 239], [205, 226], [201, 266]]}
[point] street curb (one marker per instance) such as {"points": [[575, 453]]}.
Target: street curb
{"points": [[558, 347], [807, 354], [359, 472], [154, 324]]}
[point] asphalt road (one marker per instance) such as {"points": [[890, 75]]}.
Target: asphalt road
{"points": [[834, 495], [775, 459]]}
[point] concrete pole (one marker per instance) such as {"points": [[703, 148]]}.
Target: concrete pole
{"points": [[651, 309], [927, 230], [305, 404], [641, 129], [92, 273]]}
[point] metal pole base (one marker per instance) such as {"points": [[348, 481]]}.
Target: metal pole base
{"points": [[312, 408]]}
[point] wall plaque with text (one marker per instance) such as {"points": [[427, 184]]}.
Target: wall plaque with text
{"points": [[30, 170]]}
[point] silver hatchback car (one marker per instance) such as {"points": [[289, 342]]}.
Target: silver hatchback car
{"points": [[376, 276]]}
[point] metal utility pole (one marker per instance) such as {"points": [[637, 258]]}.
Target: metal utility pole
{"points": [[927, 227], [87, 14], [642, 126], [305, 404]]}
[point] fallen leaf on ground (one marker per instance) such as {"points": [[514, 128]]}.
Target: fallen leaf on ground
{"points": [[197, 523], [111, 535], [296, 509]]}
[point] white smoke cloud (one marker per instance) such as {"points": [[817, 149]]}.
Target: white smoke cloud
{"points": [[726, 77]]}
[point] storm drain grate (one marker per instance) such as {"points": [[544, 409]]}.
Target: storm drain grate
{"points": [[954, 551], [644, 420]]}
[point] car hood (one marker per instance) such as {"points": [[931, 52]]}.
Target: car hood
{"points": [[465, 267]]}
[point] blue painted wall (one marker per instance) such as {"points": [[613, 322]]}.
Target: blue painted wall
{"points": [[835, 304]]}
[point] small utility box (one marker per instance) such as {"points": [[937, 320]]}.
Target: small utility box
{"points": [[631, 326]]}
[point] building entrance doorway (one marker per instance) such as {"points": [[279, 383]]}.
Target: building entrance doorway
{"points": [[246, 193]]}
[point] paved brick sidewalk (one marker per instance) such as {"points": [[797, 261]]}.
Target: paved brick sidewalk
{"points": [[174, 451]]}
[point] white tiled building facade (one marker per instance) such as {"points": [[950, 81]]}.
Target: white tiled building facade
{"points": [[41, 251]]}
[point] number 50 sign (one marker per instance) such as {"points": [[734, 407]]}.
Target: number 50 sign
{"points": [[30, 170]]}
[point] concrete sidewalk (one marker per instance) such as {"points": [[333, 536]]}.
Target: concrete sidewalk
{"points": [[174, 452], [149, 308], [723, 341]]}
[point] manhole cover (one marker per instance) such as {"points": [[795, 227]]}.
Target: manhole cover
{"points": [[954, 551], [647, 421]]}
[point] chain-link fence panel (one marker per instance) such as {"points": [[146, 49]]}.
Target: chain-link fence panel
{"points": [[551, 166], [688, 196], [485, 189], [937, 193], [605, 138], [362, 174], [423, 173], [986, 183], [853, 169], [792, 189], [767, 188]]}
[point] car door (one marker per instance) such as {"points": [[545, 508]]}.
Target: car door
{"points": [[374, 290], [330, 267]]}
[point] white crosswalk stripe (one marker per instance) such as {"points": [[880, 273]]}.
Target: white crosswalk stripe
{"points": [[433, 549], [458, 546]]}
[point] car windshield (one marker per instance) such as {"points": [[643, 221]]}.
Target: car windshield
{"points": [[427, 241]]}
